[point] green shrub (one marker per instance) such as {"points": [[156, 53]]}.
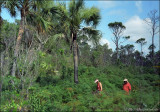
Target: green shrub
{"points": [[54, 93], [10, 83]]}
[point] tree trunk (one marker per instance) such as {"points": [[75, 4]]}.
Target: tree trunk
{"points": [[75, 56], [141, 50], [1, 81], [117, 49], [20, 33], [117, 54], [1, 21], [141, 56], [153, 46], [159, 41]]}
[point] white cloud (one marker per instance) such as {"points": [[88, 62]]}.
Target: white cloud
{"points": [[137, 28], [139, 5], [106, 4], [104, 41]]}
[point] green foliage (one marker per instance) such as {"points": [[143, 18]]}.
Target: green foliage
{"points": [[12, 101], [12, 106], [8, 30], [116, 25], [45, 72], [7, 83], [64, 95]]}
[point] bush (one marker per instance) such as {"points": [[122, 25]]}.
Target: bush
{"points": [[10, 83], [53, 93]]}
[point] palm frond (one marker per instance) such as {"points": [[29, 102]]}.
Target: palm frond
{"points": [[72, 8], [79, 5], [91, 16], [36, 5], [38, 21], [11, 7], [93, 35], [62, 11], [58, 36]]}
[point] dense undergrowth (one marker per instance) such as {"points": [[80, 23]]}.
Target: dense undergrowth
{"points": [[57, 92], [38, 54]]}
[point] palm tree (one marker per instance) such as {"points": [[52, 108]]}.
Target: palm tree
{"points": [[41, 18], [40, 22], [73, 17], [24, 6]]}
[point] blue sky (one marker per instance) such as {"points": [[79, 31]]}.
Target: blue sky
{"points": [[130, 13]]}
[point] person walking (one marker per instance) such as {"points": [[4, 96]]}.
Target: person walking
{"points": [[99, 85], [126, 86]]}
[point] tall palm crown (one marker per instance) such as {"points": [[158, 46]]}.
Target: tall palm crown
{"points": [[76, 14], [40, 17]]}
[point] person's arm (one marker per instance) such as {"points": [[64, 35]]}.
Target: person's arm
{"points": [[101, 86], [129, 86]]}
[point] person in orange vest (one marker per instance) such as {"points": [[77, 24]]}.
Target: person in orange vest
{"points": [[126, 86], [99, 85]]}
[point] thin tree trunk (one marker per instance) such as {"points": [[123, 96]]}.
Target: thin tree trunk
{"points": [[117, 56], [117, 48], [2, 59], [141, 50], [20, 33], [153, 46], [75, 56], [153, 49], [159, 41], [1, 20], [141, 56], [117, 53]]}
